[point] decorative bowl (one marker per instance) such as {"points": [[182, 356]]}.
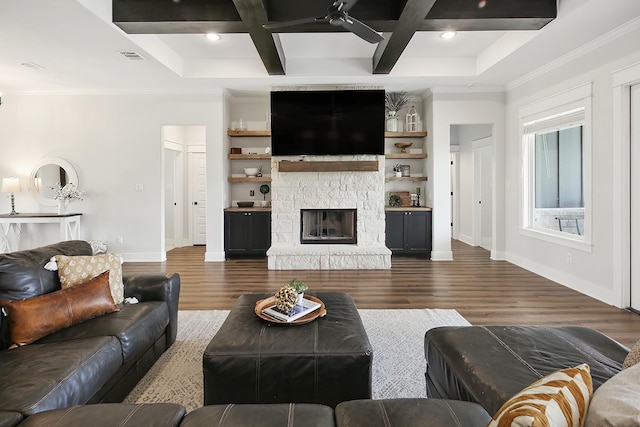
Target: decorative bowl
{"points": [[245, 204], [403, 146], [251, 171], [263, 203]]}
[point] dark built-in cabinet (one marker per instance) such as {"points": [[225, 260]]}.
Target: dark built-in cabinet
{"points": [[247, 232], [409, 232]]}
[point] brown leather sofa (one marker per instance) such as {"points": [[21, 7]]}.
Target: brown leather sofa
{"points": [[98, 360]]}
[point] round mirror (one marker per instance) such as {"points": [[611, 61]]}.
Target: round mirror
{"points": [[50, 172]]}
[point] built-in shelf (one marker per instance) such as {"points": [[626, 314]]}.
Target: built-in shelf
{"points": [[248, 133], [255, 179], [248, 156], [407, 178], [347, 166], [406, 156], [405, 134]]}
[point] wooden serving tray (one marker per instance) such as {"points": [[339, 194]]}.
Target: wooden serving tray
{"points": [[267, 302]]}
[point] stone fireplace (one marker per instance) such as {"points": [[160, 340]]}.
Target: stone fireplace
{"points": [[318, 189], [328, 226]]}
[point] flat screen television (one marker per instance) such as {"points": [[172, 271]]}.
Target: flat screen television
{"points": [[332, 122]]}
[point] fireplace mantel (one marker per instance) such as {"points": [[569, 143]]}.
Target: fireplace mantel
{"points": [[329, 166]]}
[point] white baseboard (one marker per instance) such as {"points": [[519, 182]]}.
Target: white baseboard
{"points": [[214, 256], [568, 280], [144, 256], [441, 255], [466, 239]]}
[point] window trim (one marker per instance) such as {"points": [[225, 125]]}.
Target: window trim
{"points": [[563, 103]]}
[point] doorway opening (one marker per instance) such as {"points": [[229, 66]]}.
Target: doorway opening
{"points": [[472, 180], [184, 186]]}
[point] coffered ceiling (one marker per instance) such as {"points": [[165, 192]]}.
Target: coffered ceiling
{"points": [[158, 46], [397, 21]]}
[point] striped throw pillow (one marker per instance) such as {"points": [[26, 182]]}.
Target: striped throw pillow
{"points": [[560, 399]]}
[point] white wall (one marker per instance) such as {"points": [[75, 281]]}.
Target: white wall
{"points": [[114, 142], [590, 272]]}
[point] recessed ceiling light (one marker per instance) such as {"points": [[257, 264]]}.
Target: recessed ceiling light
{"points": [[212, 36], [448, 35]]}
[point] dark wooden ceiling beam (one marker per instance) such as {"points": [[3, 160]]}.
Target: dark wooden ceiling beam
{"points": [[388, 16], [254, 14], [389, 50]]}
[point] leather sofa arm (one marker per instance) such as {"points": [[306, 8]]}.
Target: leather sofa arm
{"points": [[156, 287]]}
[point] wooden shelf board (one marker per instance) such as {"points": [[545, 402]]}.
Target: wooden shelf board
{"points": [[248, 156], [349, 166], [256, 179], [406, 156], [405, 134], [407, 179], [248, 133]]}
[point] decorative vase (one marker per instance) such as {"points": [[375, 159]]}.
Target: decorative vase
{"points": [[62, 206], [392, 121], [300, 298]]}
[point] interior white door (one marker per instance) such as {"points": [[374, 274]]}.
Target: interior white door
{"points": [[482, 194], [198, 197], [635, 196]]}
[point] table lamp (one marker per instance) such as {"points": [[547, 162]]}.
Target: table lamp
{"points": [[11, 185]]}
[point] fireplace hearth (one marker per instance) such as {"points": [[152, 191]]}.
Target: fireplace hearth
{"points": [[328, 226]]}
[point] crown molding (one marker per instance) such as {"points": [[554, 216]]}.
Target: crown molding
{"points": [[597, 43]]}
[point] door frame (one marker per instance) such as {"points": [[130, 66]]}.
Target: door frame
{"points": [[455, 189], [178, 185], [621, 191]]}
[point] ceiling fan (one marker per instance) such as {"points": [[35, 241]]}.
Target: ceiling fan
{"points": [[337, 15]]}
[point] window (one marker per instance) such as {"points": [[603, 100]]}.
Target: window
{"points": [[556, 149]]}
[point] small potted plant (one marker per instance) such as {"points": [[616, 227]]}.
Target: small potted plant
{"points": [[299, 287], [264, 189], [398, 170]]}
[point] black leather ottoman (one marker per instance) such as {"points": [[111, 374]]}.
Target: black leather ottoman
{"points": [[276, 415], [410, 413], [489, 364], [326, 361], [109, 415]]}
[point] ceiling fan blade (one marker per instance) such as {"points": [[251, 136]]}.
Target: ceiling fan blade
{"points": [[294, 22], [361, 29], [344, 6]]}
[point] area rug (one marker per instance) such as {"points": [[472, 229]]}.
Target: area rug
{"points": [[396, 336]]}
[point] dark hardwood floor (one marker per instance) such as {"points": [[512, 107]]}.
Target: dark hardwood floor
{"points": [[485, 292]]}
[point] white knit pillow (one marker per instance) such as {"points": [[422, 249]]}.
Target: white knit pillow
{"points": [[74, 270], [560, 399]]}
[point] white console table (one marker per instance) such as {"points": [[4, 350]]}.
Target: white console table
{"points": [[11, 227]]}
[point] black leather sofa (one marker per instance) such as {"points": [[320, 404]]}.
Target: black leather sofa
{"points": [[356, 413], [489, 364], [99, 360]]}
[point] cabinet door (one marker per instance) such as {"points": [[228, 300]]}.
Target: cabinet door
{"points": [[261, 231], [418, 231], [395, 231], [237, 231]]}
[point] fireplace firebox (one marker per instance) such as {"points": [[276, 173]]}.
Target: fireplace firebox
{"points": [[328, 226]]}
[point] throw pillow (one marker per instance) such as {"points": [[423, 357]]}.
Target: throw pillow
{"points": [[74, 270], [560, 399], [617, 401], [633, 357], [33, 318]]}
